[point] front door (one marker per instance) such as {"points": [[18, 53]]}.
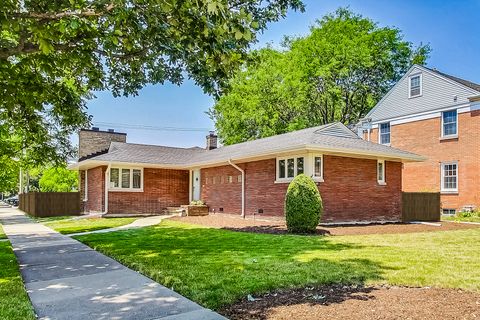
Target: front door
{"points": [[196, 184]]}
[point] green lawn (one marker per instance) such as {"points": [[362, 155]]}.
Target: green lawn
{"points": [[67, 226], [215, 267], [461, 219], [14, 302]]}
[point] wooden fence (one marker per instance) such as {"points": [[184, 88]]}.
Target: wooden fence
{"points": [[420, 206], [50, 204]]}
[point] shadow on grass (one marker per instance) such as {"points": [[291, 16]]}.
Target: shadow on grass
{"points": [[262, 306], [216, 267], [272, 229]]}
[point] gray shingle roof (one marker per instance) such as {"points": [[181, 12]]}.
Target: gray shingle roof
{"points": [[332, 137], [142, 153], [464, 82]]}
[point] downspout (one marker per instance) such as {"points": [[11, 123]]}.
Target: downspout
{"points": [[243, 184], [107, 176]]}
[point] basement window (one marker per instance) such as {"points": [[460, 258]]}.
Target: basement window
{"points": [[450, 212], [126, 179]]}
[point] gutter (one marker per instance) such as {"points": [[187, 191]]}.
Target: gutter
{"points": [[107, 176], [243, 184]]}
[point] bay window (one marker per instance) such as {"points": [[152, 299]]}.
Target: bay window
{"points": [[126, 179]]}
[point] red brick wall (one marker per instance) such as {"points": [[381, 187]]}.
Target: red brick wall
{"points": [[162, 188], [423, 137], [96, 190], [350, 191]]}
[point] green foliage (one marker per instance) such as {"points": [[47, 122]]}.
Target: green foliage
{"points": [[9, 173], [303, 205], [197, 203], [336, 73], [58, 179], [54, 54]]}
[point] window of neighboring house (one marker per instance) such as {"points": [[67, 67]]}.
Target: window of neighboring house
{"points": [[318, 167], [384, 136], [126, 179], [449, 211], [289, 167], [449, 177], [85, 195], [239, 178], [381, 172], [449, 123], [415, 85]]}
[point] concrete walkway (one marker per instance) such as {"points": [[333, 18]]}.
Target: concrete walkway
{"points": [[66, 279], [139, 223]]}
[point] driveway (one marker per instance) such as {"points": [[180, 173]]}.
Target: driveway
{"points": [[66, 279]]}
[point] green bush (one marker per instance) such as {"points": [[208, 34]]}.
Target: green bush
{"points": [[303, 205]]}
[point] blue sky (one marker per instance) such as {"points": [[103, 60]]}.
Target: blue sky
{"points": [[452, 28]]}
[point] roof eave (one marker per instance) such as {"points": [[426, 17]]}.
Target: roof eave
{"points": [[371, 154]]}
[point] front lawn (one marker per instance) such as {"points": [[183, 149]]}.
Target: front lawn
{"points": [[14, 302], [67, 226], [215, 267]]}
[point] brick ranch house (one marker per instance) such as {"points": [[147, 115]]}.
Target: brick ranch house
{"points": [[438, 116], [359, 181]]}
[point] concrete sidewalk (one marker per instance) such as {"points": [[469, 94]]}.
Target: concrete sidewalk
{"points": [[66, 279]]}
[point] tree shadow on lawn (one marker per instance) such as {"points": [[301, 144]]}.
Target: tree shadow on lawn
{"points": [[272, 229], [261, 306], [216, 267]]}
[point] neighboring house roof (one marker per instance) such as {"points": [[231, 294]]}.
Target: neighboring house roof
{"points": [[332, 138], [439, 93], [464, 82]]}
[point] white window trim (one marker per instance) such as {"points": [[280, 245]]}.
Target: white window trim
{"points": [[382, 181], [410, 85], [85, 192], [120, 189], [308, 166], [315, 178], [288, 179], [380, 133], [443, 127], [442, 176]]}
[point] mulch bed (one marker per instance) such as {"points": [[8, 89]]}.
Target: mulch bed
{"points": [[358, 302], [277, 226]]}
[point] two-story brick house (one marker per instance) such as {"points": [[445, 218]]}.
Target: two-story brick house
{"points": [[438, 116]]}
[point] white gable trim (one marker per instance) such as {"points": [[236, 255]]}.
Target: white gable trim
{"points": [[463, 108], [407, 75]]}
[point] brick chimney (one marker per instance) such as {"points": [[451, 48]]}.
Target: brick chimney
{"points": [[211, 140], [94, 141]]}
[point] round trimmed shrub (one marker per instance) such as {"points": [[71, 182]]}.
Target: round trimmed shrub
{"points": [[303, 205]]}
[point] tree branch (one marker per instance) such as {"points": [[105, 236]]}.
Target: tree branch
{"points": [[65, 14]]}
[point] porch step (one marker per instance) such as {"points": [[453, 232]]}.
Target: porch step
{"points": [[174, 210], [131, 215]]}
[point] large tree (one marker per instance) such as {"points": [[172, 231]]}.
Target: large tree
{"points": [[336, 73], [58, 179], [54, 54]]}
